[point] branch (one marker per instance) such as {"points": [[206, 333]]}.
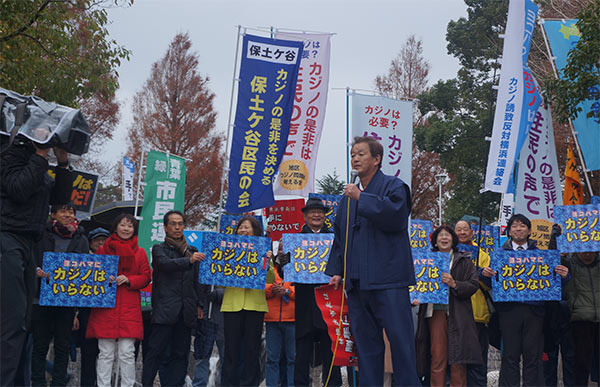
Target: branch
{"points": [[36, 16]]}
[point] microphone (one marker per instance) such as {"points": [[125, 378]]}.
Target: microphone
{"points": [[353, 176]]}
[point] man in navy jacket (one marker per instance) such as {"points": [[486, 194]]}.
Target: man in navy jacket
{"points": [[378, 266]]}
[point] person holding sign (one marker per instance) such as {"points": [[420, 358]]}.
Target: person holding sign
{"points": [[244, 312], [310, 327], [452, 331], [521, 323], [378, 265], [122, 325], [63, 234], [176, 302]]}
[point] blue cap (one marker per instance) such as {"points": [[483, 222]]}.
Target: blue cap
{"points": [[98, 232]]}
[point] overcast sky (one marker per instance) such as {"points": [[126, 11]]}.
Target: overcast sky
{"points": [[368, 35]]}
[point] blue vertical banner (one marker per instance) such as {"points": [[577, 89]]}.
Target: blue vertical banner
{"points": [[563, 36], [268, 75]]}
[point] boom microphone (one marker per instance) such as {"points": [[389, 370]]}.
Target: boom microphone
{"points": [[353, 176]]}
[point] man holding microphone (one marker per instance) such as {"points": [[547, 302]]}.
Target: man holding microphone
{"points": [[378, 266]]}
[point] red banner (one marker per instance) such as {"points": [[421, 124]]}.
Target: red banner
{"points": [[329, 301], [285, 217]]}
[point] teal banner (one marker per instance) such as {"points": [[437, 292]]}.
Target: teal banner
{"points": [[563, 37]]}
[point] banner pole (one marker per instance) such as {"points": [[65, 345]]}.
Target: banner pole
{"points": [[229, 124], [554, 70], [123, 178], [139, 184], [347, 134]]}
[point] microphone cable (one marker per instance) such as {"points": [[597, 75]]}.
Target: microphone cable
{"points": [[337, 341]]}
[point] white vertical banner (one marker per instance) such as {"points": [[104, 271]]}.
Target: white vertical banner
{"points": [[518, 97], [507, 205], [128, 171], [390, 122], [538, 181], [297, 169]]}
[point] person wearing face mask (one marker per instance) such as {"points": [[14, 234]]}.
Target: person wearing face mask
{"points": [[176, 302], [521, 323], [450, 328], [63, 234], [120, 326]]}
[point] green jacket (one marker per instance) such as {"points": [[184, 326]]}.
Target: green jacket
{"points": [[583, 290]]}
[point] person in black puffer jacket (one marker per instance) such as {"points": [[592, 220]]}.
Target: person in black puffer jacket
{"points": [[176, 302], [62, 234], [26, 190]]}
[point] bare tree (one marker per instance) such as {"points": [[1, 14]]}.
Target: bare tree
{"points": [[174, 112], [406, 79], [407, 76]]}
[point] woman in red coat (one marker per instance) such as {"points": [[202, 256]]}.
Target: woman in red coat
{"points": [[122, 325]]}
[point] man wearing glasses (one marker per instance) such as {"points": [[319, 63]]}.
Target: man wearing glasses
{"points": [[176, 302]]}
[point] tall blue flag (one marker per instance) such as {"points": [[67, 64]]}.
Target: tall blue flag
{"points": [[563, 37], [268, 75]]}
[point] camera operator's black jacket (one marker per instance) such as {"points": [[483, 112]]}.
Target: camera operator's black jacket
{"points": [[26, 190], [175, 286]]}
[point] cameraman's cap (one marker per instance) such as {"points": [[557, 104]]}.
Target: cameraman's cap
{"points": [[98, 232], [314, 203]]}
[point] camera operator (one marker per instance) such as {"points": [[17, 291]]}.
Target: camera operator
{"points": [[26, 190]]}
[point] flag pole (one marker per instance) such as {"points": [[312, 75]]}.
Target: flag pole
{"points": [[347, 134], [229, 124], [139, 184], [551, 58]]}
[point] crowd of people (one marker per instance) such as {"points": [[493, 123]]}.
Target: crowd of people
{"points": [[370, 258]]}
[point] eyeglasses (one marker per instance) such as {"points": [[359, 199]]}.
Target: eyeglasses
{"points": [[178, 224]]}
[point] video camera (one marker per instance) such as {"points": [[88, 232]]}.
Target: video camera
{"points": [[47, 124]]}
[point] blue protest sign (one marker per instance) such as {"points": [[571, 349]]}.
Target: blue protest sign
{"points": [[420, 232], [331, 202], [230, 221], [489, 238], [266, 89], [309, 254], [231, 260], [580, 227], [429, 267], [595, 199], [526, 275], [80, 280], [471, 250]]}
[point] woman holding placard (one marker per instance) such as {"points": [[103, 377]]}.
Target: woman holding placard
{"points": [[450, 329], [120, 326], [243, 315]]}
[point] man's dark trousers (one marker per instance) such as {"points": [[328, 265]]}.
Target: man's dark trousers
{"points": [[51, 322], [17, 279], [522, 331], [178, 336], [371, 311], [304, 351]]}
